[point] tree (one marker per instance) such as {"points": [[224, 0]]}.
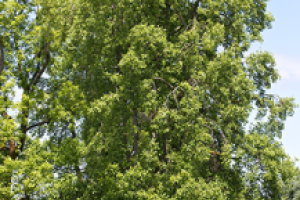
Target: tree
{"points": [[293, 189], [138, 91]]}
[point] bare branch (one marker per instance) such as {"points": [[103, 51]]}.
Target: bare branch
{"points": [[181, 18], [38, 124], [158, 78], [38, 54], [165, 104], [195, 8], [43, 69], [12, 148], [36, 72]]}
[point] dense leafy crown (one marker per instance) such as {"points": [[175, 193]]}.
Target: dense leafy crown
{"points": [[294, 189], [151, 95]]}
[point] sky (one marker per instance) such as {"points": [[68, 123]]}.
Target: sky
{"points": [[282, 40]]}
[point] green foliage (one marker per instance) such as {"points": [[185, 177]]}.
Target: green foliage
{"points": [[292, 189], [138, 92]]}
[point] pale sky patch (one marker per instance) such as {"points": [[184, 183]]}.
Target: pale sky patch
{"points": [[288, 66]]}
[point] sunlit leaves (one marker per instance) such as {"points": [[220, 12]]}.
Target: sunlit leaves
{"points": [[129, 77]]}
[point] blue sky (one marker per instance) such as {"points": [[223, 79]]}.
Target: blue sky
{"points": [[282, 40]]}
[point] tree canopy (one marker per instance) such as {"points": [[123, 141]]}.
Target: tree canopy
{"points": [[294, 189], [140, 93]]}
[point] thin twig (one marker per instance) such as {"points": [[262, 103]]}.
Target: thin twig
{"points": [[181, 18], [158, 78], [38, 124], [165, 104]]}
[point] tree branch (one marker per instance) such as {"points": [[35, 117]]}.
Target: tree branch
{"points": [[43, 69], [47, 60], [38, 124], [38, 54], [165, 104], [158, 78], [195, 8], [35, 73], [181, 18], [12, 149]]}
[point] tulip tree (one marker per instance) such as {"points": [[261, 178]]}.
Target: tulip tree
{"points": [[140, 92]]}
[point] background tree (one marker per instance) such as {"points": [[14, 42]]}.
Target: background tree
{"points": [[138, 91], [28, 48]]}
